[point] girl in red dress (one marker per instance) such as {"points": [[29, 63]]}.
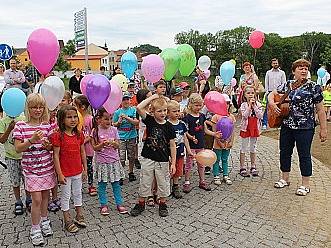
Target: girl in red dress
{"points": [[252, 114]]}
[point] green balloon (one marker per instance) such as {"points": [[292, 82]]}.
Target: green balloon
{"points": [[187, 59], [171, 60]]}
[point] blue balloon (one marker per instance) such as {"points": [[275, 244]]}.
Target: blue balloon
{"points": [[13, 102], [227, 71], [321, 72], [129, 64]]}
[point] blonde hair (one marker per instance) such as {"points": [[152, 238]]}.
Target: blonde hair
{"points": [[193, 99], [243, 98], [33, 100], [172, 104], [158, 103]]}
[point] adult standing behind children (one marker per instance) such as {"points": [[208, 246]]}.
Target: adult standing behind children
{"points": [[275, 78], [158, 147], [74, 82]]}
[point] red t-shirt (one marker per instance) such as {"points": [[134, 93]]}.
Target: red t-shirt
{"points": [[70, 158]]}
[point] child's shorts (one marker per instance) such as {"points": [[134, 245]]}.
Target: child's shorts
{"points": [[14, 171], [179, 167], [127, 147], [159, 170]]}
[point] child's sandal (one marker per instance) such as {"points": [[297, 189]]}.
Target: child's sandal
{"points": [[71, 227], [254, 172], [243, 172], [150, 201]]}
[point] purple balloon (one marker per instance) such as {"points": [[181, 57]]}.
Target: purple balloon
{"points": [[225, 126], [97, 90]]}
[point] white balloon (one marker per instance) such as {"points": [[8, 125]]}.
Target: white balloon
{"points": [[52, 89], [204, 62]]}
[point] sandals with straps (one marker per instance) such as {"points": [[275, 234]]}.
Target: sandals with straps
{"points": [[302, 191], [18, 208], [243, 172], [281, 184], [71, 227], [254, 172]]}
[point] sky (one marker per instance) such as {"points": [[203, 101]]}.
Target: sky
{"points": [[128, 23]]}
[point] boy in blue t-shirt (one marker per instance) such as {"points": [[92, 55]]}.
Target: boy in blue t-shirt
{"points": [[125, 119]]}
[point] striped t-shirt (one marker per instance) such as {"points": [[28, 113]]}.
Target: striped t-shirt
{"points": [[36, 160]]}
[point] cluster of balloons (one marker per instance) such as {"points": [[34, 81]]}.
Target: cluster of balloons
{"points": [[166, 64], [256, 39]]}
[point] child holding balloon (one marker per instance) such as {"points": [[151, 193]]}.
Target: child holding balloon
{"points": [[82, 104], [252, 114], [222, 146], [197, 127], [31, 138]]}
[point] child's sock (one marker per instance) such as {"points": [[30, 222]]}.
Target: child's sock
{"points": [[35, 227], [43, 218]]}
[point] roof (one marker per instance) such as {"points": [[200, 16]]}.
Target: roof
{"points": [[19, 51], [93, 50], [82, 57]]}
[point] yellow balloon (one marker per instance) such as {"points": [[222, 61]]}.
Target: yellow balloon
{"points": [[121, 80], [206, 157], [233, 61]]}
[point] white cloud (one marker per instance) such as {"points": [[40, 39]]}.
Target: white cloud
{"points": [[126, 23]]}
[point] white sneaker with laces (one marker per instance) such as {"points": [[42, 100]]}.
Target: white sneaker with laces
{"points": [[217, 180], [36, 237], [227, 180], [46, 228]]}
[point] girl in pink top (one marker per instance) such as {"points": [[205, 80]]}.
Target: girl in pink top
{"points": [[82, 104], [108, 168], [252, 114], [31, 138]]}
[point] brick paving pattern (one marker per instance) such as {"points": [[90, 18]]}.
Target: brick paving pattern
{"points": [[249, 213]]}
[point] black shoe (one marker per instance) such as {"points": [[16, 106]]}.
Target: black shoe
{"points": [[121, 181], [137, 210], [163, 210], [132, 177], [176, 192], [18, 208], [137, 164], [207, 170]]}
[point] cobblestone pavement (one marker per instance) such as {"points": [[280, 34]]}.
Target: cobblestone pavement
{"points": [[249, 213]]}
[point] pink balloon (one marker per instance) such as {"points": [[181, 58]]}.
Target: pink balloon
{"points": [[216, 103], [115, 97], [83, 83], [43, 48], [256, 39], [152, 68], [207, 73], [233, 82]]}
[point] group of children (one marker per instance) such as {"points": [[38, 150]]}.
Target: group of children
{"points": [[75, 145]]}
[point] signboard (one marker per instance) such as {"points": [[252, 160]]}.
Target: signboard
{"points": [[5, 52], [80, 27]]}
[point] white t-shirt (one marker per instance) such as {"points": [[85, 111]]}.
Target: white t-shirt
{"points": [[2, 83]]}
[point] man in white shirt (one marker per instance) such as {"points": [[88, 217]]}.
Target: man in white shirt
{"points": [[275, 79], [14, 78]]}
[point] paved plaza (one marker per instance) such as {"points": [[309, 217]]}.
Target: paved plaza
{"points": [[249, 213]]}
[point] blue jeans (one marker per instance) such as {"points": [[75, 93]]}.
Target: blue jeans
{"points": [[265, 114], [102, 192], [302, 138], [222, 155]]}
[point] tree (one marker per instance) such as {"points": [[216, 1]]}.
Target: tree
{"points": [[62, 64], [146, 48], [326, 55], [70, 48]]}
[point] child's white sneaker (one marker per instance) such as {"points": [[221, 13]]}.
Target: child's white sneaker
{"points": [[37, 237], [227, 180], [217, 180], [46, 228]]}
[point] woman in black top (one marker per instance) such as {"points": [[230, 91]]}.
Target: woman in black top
{"points": [[74, 82]]}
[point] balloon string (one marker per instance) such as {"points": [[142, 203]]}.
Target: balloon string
{"points": [[254, 56]]}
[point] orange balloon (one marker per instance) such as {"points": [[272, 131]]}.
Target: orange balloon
{"points": [[206, 157]]}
